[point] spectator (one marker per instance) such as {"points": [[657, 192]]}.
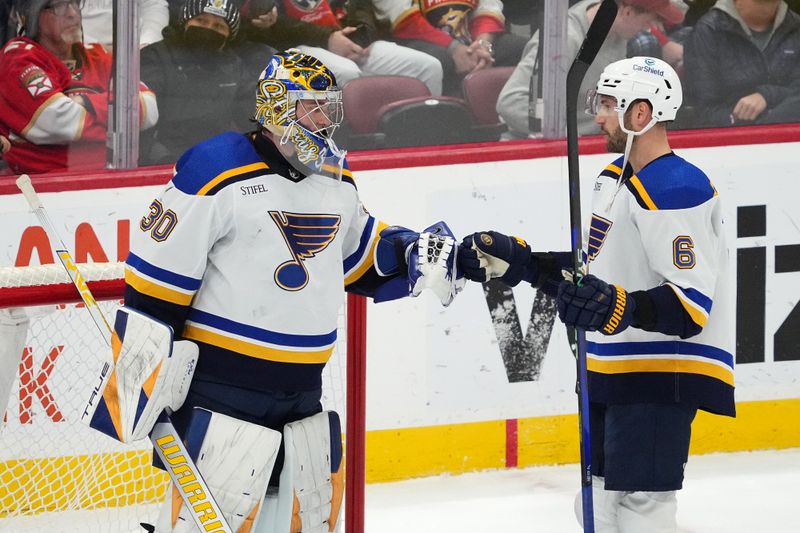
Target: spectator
{"points": [[743, 64], [53, 92], [342, 34], [6, 24], [633, 16], [465, 36], [200, 83], [98, 21]]}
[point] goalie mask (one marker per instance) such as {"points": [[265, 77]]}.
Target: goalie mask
{"points": [[639, 78], [298, 102]]}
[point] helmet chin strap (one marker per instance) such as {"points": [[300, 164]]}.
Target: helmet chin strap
{"points": [[629, 141]]}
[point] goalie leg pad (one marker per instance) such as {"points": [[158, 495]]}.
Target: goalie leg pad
{"points": [[150, 373], [312, 480], [236, 459]]}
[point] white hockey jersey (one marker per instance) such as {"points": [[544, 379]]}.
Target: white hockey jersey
{"points": [[663, 226], [250, 264]]}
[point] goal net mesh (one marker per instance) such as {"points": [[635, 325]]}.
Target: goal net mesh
{"points": [[56, 474]]}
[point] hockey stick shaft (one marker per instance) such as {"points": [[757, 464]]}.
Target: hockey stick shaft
{"points": [[166, 442], [595, 36]]}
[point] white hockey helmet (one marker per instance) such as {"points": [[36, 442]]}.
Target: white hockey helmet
{"points": [[639, 78]]}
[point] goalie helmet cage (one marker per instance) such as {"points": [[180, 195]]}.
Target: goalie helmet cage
{"points": [[56, 473]]}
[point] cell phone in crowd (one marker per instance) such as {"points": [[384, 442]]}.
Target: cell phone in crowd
{"points": [[362, 36]]}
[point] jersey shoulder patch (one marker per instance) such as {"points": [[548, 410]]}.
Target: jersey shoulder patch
{"points": [[208, 167], [670, 182]]}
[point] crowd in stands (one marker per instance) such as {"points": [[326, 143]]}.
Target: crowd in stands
{"points": [[200, 59]]}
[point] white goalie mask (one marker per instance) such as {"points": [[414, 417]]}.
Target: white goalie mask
{"points": [[639, 78], [295, 87]]}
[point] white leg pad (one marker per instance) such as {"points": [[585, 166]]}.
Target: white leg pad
{"points": [[236, 459], [630, 512], [655, 512], [311, 482]]}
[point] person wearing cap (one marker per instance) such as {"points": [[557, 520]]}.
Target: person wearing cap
{"points": [[54, 91], [743, 64], [201, 84], [633, 17]]}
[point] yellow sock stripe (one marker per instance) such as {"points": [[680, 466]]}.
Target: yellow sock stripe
{"points": [[255, 350]]}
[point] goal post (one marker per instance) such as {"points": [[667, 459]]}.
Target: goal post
{"points": [[59, 475]]}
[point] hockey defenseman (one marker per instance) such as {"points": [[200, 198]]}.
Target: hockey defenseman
{"points": [[657, 306], [247, 253]]}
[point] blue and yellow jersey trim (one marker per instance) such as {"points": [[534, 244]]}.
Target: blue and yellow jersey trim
{"points": [[252, 341], [347, 174], [158, 282], [670, 182], [612, 170], [696, 304], [360, 261], [212, 165], [660, 356]]}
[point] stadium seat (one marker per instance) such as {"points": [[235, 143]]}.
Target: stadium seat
{"points": [[425, 121], [481, 89], [394, 111]]}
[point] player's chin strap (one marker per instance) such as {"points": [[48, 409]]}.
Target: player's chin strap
{"points": [[628, 146]]}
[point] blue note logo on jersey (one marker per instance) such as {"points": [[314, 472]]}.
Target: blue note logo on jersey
{"points": [[597, 235], [306, 235]]}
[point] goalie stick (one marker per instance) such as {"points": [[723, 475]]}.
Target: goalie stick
{"points": [[166, 442], [595, 36]]}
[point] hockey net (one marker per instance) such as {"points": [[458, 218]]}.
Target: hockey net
{"points": [[56, 474]]}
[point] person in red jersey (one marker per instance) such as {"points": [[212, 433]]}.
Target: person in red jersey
{"points": [[54, 92]]}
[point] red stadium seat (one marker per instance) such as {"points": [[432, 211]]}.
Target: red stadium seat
{"points": [[481, 90], [395, 111], [364, 97]]}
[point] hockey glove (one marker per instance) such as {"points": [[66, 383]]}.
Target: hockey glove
{"points": [[488, 255], [433, 264], [595, 305]]}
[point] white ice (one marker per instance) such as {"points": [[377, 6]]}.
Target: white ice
{"points": [[755, 492]]}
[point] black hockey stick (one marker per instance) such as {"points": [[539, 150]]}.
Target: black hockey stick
{"points": [[598, 30]]}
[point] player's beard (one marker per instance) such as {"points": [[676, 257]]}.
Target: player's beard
{"points": [[616, 141]]}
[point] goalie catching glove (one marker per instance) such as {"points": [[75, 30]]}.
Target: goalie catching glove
{"points": [[150, 373], [429, 260], [595, 305]]}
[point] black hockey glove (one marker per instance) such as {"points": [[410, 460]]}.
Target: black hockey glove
{"points": [[595, 305], [488, 255]]}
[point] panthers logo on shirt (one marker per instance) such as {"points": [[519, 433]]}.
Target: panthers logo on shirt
{"points": [[305, 235]]}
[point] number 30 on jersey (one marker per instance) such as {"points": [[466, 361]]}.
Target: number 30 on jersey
{"points": [[158, 222]]}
